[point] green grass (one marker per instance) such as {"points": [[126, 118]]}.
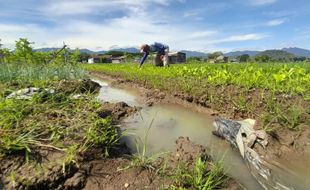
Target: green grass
{"points": [[38, 74], [54, 121], [203, 176]]}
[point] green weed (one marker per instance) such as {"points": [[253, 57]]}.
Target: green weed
{"points": [[203, 176]]}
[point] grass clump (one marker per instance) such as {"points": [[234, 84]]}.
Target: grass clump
{"points": [[55, 121], [203, 176]]}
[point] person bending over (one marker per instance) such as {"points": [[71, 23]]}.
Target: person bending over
{"points": [[161, 58]]}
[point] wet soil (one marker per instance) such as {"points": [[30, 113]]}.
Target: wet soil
{"points": [[226, 102]]}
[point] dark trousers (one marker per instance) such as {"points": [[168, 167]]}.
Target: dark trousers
{"points": [[158, 61]]}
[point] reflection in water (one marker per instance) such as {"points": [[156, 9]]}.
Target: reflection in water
{"points": [[114, 95]]}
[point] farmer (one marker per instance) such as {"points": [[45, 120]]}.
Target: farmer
{"points": [[161, 58]]}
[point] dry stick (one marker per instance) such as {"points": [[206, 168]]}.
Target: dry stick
{"points": [[50, 146], [55, 55]]}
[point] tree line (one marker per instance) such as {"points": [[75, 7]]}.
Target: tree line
{"points": [[262, 57], [24, 53]]}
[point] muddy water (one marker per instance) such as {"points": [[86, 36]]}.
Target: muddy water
{"points": [[114, 95], [168, 122]]}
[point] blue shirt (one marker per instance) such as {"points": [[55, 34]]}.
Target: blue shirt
{"points": [[156, 47]]}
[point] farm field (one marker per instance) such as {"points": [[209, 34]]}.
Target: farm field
{"points": [[55, 134], [155, 94], [274, 94]]}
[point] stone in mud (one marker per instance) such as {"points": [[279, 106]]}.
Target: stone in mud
{"points": [[77, 181], [188, 152], [149, 103], [161, 95], [189, 98], [118, 110]]}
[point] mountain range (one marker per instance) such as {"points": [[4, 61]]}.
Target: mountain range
{"points": [[293, 50]]}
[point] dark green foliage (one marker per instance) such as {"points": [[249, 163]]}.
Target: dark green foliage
{"points": [[275, 55], [244, 58]]}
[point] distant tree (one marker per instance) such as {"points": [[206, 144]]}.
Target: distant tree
{"points": [[262, 58], [115, 53], [297, 59], [23, 50], [194, 59], [1, 53], [226, 59], [84, 57], [215, 55], [244, 58], [75, 56], [276, 55]]}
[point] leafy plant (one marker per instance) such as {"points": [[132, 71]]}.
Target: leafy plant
{"points": [[203, 176]]}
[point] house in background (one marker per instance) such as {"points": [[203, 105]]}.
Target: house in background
{"points": [[177, 57], [219, 59], [119, 59], [100, 59]]}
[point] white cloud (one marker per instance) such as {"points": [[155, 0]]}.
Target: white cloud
{"points": [[137, 25], [11, 28], [245, 37], [276, 22], [76, 7], [202, 34], [191, 13], [239, 38], [262, 2]]}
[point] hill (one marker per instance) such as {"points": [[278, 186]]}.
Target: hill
{"points": [[239, 53], [298, 51], [194, 53], [46, 49], [86, 51], [127, 50], [278, 55]]}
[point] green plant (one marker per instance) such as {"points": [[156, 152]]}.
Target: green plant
{"points": [[203, 176], [102, 134], [70, 156]]}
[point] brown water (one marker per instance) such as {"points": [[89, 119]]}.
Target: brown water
{"points": [[168, 122], [114, 95]]}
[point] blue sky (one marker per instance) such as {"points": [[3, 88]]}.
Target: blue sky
{"points": [[203, 25]]}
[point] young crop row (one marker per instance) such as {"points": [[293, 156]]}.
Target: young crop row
{"points": [[283, 78], [275, 94]]}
